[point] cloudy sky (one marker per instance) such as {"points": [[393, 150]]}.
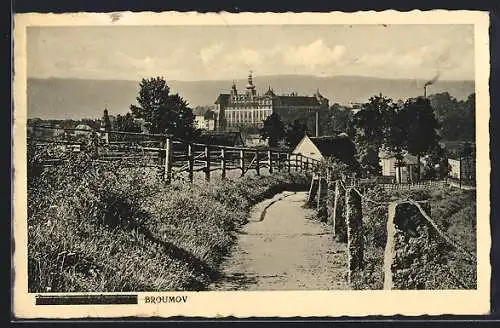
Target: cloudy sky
{"points": [[229, 52]]}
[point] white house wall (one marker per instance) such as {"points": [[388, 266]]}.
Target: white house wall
{"points": [[307, 148]]}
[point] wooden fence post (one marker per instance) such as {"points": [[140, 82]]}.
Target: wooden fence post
{"points": [[242, 161], [223, 163], [354, 220], [269, 155], [330, 199], [168, 160], [207, 165], [257, 162], [312, 190], [318, 200], [191, 163], [339, 221]]}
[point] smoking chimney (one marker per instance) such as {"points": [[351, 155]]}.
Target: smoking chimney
{"points": [[430, 82]]}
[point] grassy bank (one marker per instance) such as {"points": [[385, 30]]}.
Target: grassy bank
{"points": [[106, 228], [454, 212]]}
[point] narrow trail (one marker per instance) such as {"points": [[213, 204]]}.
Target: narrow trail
{"points": [[283, 250]]}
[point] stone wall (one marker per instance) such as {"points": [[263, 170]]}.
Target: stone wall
{"points": [[414, 253]]}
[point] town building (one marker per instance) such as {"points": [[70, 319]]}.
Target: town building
{"points": [[255, 140], [214, 138], [83, 130], [339, 147], [399, 171], [463, 168], [249, 109], [205, 121]]}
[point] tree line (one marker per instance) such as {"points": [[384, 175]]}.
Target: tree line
{"points": [[415, 126]]}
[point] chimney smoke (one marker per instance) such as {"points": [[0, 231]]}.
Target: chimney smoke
{"points": [[432, 81]]}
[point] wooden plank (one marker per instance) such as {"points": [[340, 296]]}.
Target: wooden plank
{"points": [[223, 163], [168, 160], [242, 161], [257, 162], [190, 163], [270, 160], [207, 163]]}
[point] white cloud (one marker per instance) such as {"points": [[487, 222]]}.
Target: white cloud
{"points": [[208, 54], [314, 54], [403, 51], [422, 62], [250, 57]]}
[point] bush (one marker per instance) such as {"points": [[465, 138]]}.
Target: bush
{"points": [[109, 228]]}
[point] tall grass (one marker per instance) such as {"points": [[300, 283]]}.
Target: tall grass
{"points": [[108, 228]]}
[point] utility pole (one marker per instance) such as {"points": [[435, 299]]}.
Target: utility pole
{"points": [[317, 123]]}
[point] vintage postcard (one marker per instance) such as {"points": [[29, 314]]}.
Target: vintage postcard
{"points": [[251, 164]]}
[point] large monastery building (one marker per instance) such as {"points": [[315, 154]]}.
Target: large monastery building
{"points": [[249, 109]]}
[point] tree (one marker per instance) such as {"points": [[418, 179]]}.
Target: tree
{"points": [[469, 118], [295, 132], [420, 126], [373, 120], [338, 120], [457, 118], [368, 158], [466, 150], [436, 163], [164, 112], [126, 123], [372, 126], [273, 130], [395, 133]]}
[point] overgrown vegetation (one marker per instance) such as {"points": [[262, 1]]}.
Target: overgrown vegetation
{"points": [[109, 228], [452, 209]]}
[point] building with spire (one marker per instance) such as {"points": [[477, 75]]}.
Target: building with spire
{"points": [[249, 109]]}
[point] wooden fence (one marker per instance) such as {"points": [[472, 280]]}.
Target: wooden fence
{"points": [[174, 156]]}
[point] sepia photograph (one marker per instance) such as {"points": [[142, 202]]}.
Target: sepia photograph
{"points": [[324, 156]]}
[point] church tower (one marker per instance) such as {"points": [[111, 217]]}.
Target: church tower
{"points": [[234, 92], [250, 87]]}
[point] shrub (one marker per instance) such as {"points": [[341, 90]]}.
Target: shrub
{"points": [[110, 228]]}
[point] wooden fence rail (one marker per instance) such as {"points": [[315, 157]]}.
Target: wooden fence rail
{"points": [[175, 156]]}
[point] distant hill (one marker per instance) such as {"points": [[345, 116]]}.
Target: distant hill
{"points": [[56, 98]]}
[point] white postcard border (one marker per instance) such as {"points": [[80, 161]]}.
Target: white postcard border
{"points": [[275, 303]]}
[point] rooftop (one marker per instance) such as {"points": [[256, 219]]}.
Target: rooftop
{"points": [[220, 138]]}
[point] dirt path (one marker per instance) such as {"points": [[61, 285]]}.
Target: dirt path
{"points": [[284, 251]]}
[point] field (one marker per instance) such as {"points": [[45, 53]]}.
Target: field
{"points": [[108, 228], [454, 212]]}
